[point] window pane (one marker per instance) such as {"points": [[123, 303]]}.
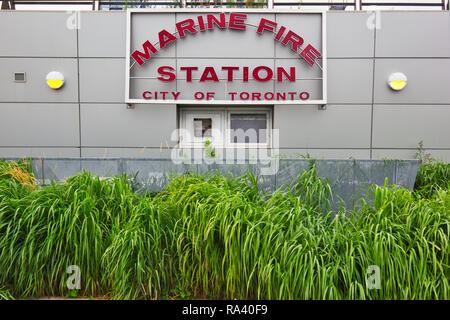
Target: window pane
{"points": [[202, 127], [248, 127]]}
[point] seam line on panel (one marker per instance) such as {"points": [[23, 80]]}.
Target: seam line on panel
{"points": [[373, 89], [79, 102]]}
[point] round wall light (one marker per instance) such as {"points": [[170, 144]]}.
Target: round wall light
{"points": [[397, 81], [55, 79]]}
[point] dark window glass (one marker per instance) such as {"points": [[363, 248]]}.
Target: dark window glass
{"points": [[248, 127]]}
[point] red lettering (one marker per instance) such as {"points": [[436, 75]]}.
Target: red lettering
{"points": [[210, 95], [165, 38], [188, 72], [295, 40], [175, 95], [281, 95], [267, 95], [269, 74], [256, 96], [237, 21], [304, 95], [244, 95], [147, 95], [230, 71], [201, 23], [245, 74], [185, 25], [211, 20], [290, 76], [168, 72], [280, 33], [199, 95], [265, 24], [310, 54], [209, 74], [148, 47], [232, 94]]}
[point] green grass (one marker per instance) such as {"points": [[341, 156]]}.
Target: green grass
{"points": [[221, 237], [5, 294], [432, 176]]}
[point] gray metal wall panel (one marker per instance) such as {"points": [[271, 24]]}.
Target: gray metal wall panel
{"points": [[337, 127], [297, 153], [35, 89], [112, 125], [102, 80], [348, 34], [153, 153], [37, 34], [428, 80], [39, 125], [403, 126], [350, 80], [102, 34], [443, 155], [39, 152], [413, 34]]}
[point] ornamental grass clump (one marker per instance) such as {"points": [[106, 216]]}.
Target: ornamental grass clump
{"points": [[20, 172], [432, 176], [5, 294], [45, 231]]}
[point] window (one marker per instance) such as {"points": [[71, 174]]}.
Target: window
{"points": [[228, 127], [248, 127]]}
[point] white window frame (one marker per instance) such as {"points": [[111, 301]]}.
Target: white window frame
{"points": [[226, 125]]}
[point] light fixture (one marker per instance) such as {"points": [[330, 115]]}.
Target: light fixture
{"points": [[55, 79], [397, 81]]}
